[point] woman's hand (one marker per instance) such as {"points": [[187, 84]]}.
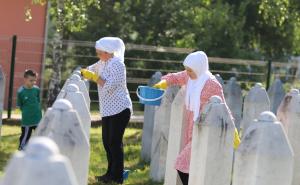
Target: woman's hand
{"points": [[89, 75], [237, 139], [161, 85]]}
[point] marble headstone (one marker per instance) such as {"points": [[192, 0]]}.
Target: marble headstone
{"points": [[77, 100], [276, 94], [75, 79], [149, 113], [212, 146], [289, 115], [264, 156], [87, 84], [175, 138], [234, 100], [40, 164], [160, 135], [77, 71], [62, 124], [220, 80], [256, 102]]}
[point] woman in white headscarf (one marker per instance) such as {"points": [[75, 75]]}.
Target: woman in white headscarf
{"points": [[200, 86], [114, 101]]}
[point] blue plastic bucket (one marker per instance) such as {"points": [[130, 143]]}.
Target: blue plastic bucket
{"points": [[149, 95]]}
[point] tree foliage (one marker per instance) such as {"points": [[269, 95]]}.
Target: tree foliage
{"points": [[225, 28], [66, 16], [250, 29]]}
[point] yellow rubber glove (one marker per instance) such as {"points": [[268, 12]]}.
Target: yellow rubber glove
{"points": [[237, 140], [161, 85], [89, 75]]}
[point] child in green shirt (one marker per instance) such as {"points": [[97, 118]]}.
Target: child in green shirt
{"points": [[28, 100]]}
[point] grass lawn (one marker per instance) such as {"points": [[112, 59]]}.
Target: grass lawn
{"points": [[132, 145]]}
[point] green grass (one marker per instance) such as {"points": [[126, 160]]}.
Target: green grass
{"points": [[93, 111], [139, 174]]}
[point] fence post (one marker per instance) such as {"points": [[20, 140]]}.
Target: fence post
{"points": [[2, 94], [11, 78], [269, 74]]}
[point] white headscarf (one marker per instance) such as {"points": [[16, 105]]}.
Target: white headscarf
{"points": [[198, 62], [112, 45]]}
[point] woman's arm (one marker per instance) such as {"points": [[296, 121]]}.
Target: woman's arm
{"points": [[93, 67], [214, 88], [179, 78], [91, 73], [211, 88], [113, 77], [100, 81]]}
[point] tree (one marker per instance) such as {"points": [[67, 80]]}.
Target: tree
{"points": [[66, 16], [261, 29], [181, 23]]}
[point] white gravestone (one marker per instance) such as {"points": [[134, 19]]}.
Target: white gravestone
{"points": [[289, 115], [75, 79], [256, 102], [175, 138], [212, 146], [77, 71], [149, 113], [220, 80], [160, 135], [276, 94], [76, 98], [40, 164], [234, 100], [264, 156], [2, 92], [62, 124], [86, 82]]}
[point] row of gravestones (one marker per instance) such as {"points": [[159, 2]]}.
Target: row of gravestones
{"points": [[264, 101], [64, 129], [163, 147]]}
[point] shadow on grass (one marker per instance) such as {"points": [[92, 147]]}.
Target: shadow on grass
{"points": [[133, 138], [139, 170]]}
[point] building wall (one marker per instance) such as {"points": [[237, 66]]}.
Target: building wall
{"points": [[30, 38]]}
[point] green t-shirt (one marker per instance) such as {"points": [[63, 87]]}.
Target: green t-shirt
{"points": [[29, 102]]}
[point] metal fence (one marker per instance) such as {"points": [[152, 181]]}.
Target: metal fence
{"points": [[16, 55], [141, 62]]}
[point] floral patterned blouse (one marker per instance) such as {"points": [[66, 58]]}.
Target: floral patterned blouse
{"points": [[212, 87]]}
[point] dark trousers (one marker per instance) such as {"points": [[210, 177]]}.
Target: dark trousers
{"points": [[113, 128], [184, 177], [25, 135]]}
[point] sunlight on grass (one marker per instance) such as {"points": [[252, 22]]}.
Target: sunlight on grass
{"points": [[139, 174], [9, 144]]}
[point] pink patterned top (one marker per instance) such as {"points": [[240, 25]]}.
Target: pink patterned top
{"points": [[212, 87]]}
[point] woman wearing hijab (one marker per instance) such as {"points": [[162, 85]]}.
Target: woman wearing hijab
{"points": [[115, 104], [201, 85]]}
